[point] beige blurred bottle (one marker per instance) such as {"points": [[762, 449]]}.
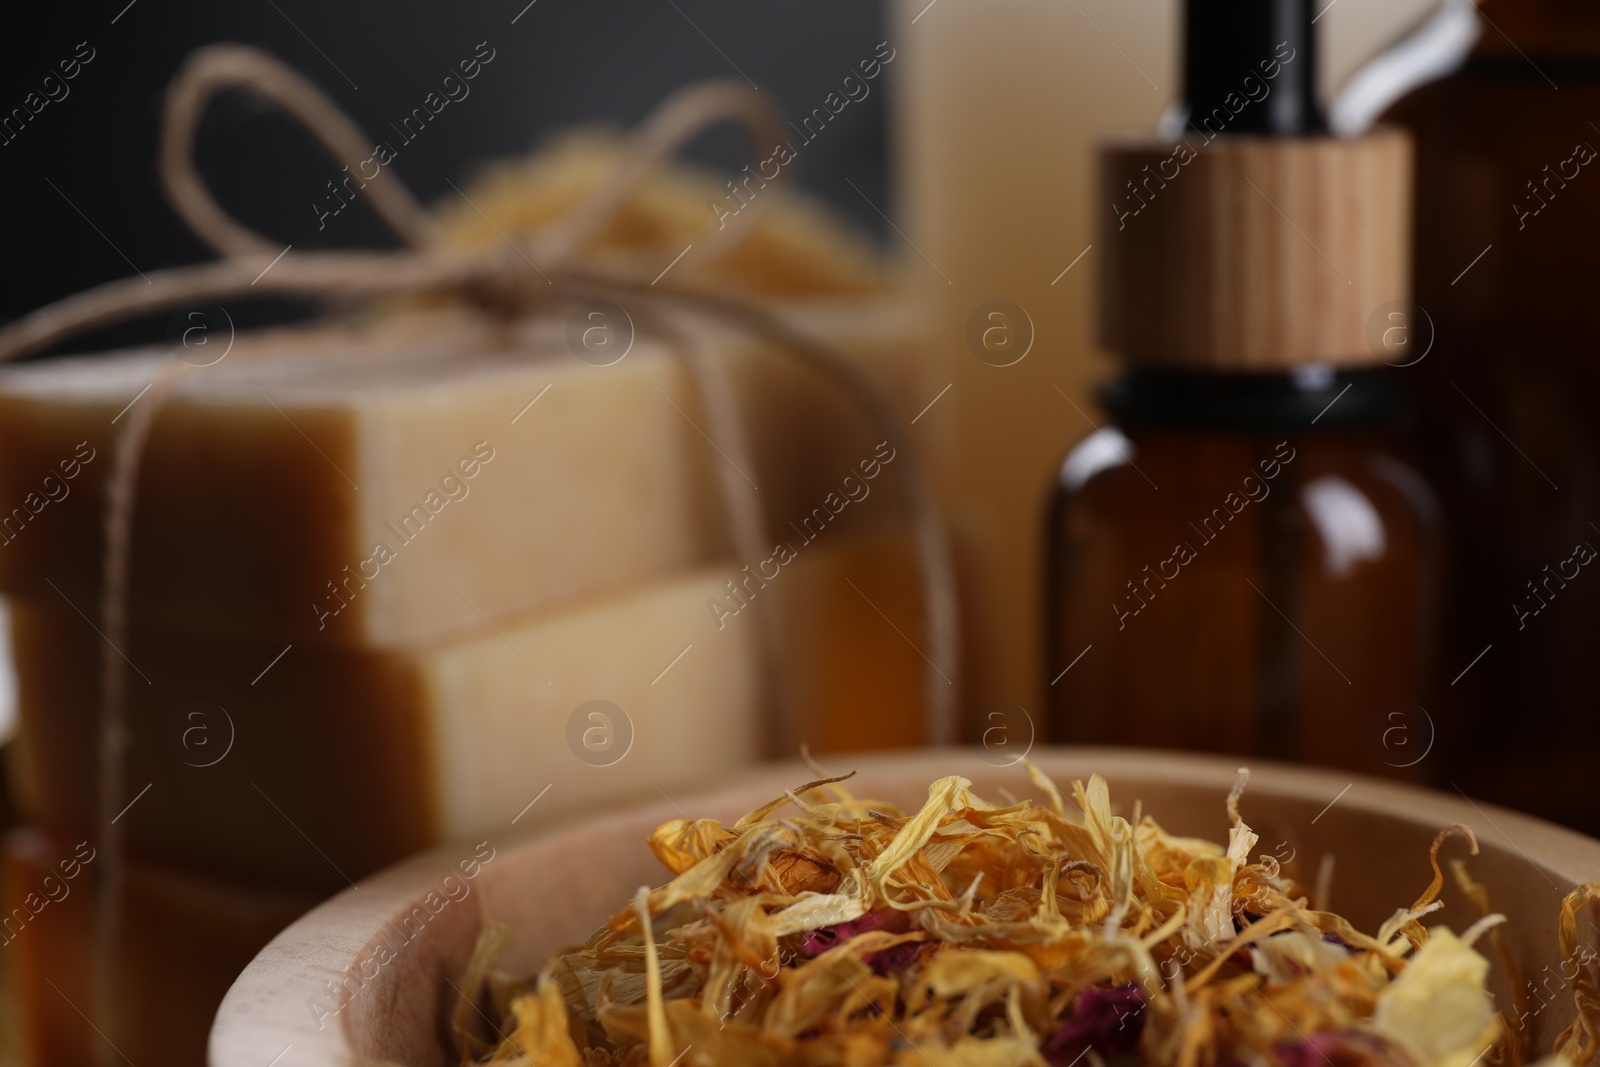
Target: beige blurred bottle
{"points": [[998, 106]]}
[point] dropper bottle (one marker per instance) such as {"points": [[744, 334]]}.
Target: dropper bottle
{"points": [[1241, 561]]}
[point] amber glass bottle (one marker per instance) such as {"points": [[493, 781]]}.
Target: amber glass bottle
{"points": [[1507, 228], [1241, 562], [1233, 573]]}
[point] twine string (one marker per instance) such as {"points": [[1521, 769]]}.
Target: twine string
{"points": [[742, 509], [217, 67]]}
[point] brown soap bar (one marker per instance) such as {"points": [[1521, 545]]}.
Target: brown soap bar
{"points": [[320, 766], [399, 487]]}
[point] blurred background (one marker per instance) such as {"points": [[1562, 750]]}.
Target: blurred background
{"points": [[1400, 512], [558, 66]]}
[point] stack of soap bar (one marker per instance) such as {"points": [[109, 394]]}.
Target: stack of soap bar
{"points": [[560, 546], [186, 937]]}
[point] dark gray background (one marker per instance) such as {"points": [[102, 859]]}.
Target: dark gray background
{"points": [[562, 62]]}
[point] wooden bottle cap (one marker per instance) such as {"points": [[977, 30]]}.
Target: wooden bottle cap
{"points": [[1252, 253]]}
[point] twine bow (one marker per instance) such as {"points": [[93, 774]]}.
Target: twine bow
{"points": [[529, 272]]}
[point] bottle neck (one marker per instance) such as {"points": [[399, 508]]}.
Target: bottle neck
{"points": [[1238, 50], [1306, 400]]}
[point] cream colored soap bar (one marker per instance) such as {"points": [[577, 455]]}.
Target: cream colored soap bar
{"points": [[186, 936], [325, 765], [388, 491]]}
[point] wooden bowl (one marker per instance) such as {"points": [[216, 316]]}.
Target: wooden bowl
{"points": [[368, 975]]}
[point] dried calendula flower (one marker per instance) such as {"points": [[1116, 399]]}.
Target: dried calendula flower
{"points": [[970, 934]]}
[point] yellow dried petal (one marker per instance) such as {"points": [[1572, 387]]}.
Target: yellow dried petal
{"points": [[957, 972], [682, 843], [1437, 1009], [541, 1035]]}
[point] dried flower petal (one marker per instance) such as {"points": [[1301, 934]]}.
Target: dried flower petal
{"points": [[1109, 1021], [816, 942]]}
